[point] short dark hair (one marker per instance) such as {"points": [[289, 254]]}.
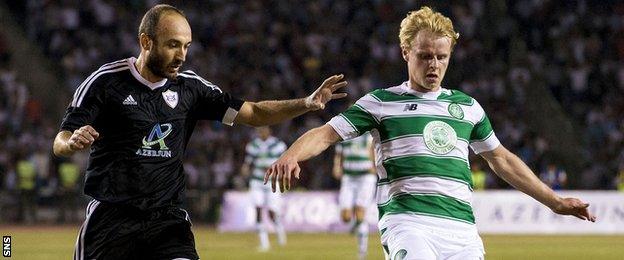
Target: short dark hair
{"points": [[152, 16]]}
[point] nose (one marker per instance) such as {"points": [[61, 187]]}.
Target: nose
{"points": [[434, 62], [181, 54]]}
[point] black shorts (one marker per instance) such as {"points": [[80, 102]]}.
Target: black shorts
{"points": [[117, 232]]}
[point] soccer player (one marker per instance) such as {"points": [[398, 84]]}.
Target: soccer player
{"points": [[354, 167], [136, 115], [261, 153], [423, 131]]}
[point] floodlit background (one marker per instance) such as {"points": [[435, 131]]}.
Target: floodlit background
{"points": [[550, 75]]}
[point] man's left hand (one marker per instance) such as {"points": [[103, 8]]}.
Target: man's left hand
{"points": [[574, 207], [326, 92]]}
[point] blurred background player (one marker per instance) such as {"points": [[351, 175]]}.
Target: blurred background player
{"points": [[262, 151], [354, 167]]}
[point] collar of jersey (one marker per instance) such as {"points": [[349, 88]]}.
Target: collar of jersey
{"points": [[407, 88], [137, 76]]}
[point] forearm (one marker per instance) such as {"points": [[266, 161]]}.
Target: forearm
{"points": [[60, 146], [275, 111], [515, 172], [312, 143]]}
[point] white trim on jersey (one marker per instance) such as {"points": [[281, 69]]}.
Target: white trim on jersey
{"points": [[193, 75], [230, 115], [79, 250], [82, 90], [489, 144], [137, 76]]}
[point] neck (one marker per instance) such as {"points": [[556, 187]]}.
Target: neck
{"points": [[146, 73], [421, 89]]}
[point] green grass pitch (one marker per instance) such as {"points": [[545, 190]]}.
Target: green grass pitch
{"points": [[57, 242]]}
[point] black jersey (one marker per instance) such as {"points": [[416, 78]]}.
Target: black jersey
{"points": [[144, 128]]}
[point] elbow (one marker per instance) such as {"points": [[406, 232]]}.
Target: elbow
{"points": [[60, 149], [256, 117], [58, 153]]}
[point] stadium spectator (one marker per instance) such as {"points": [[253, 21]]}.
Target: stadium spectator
{"points": [[479, 177], [26, 172], [619, 180], [555, 177], [68, 192]]}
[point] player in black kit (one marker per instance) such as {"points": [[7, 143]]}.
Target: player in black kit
{"points": [[136, 116]]}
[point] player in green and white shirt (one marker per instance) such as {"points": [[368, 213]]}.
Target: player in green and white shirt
{"points": [[262, 151], [354, 167], [421, 133]]}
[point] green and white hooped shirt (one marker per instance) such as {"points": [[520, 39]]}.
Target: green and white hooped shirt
{"points": [[262, 154], [421, 148], [356, 159]]}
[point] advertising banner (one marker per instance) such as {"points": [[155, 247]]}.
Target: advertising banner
{"points": [[496, 212]]}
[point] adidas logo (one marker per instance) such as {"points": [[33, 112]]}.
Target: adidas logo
{"points": [[129, 101]]}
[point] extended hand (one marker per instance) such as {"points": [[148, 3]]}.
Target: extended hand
{"points": [[325, 92], [574, 207], [82, 138], [282, 170]]}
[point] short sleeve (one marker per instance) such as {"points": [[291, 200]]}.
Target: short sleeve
{"points": [[212, 102], [482, 137], [86, 105], [358, 119]]}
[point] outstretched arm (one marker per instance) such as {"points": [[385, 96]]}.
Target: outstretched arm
{"points": [[275, 111], [307, 146], [67, 143], [515, 172]]}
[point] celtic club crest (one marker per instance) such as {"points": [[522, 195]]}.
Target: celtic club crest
{"points": [[456, 111], [439, 137]]}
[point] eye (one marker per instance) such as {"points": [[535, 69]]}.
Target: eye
{"points": [[425, 56]]}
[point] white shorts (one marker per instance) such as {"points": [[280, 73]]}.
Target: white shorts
{"points": [[414, 237], [263, 197], [357, 190]]}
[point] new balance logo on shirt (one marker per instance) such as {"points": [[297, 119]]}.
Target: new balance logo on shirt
{"points": [[410, 107], [129, 101]]}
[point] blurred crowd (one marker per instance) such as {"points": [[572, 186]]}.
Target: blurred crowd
{"points": [[285, 49]]}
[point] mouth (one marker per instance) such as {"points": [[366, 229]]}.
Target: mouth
{"points": [[431, 77], [175, 67]]}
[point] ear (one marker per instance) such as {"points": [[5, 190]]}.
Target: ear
{"points": [[145, 41], [405, 54]]}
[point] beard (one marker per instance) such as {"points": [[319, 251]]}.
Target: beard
{"points": [[156, 64]]}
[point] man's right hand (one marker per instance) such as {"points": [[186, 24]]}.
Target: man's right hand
{"points": [[82, 138], [282, 172]]}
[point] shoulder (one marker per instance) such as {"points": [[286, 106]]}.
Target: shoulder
{"points": [[99, 78], [196, 80], [391, 94], [456, 96], [107, 71], [253, 144]]}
